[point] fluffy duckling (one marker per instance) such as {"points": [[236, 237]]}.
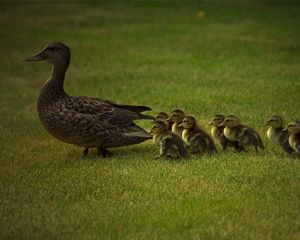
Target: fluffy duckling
{"points": [[171, 145], [164, 116], [294, 138], [176, 116], [237, 132], [217, 132], [278, 134], [195, 137]]}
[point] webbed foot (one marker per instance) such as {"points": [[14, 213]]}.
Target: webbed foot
{"points": [[86, 151], [104, 152]]}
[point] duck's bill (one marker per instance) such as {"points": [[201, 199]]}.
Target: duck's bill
{"points": [[37, 57]]}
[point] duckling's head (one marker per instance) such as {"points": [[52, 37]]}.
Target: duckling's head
{"points": [[274, 122], [162, 115], [230, 121], [177, 116], [188, 122], [158, 126], [55, 53], [293, 127], [217, 120]]}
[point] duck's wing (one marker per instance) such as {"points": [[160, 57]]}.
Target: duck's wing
{"points": [[105, 110], [90, 129]]}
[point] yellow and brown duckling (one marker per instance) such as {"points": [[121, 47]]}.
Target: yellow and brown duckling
{"points": [[176, 116], [164, 116], [278, 134], [84, 121], [243, 134], [217, 132], [171, 145], [195, 137], [294, 138]]}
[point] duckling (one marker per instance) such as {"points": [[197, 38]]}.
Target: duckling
{"points": [[294, 138], [278, 134], [195, 137], [171, 145], [165, 116], [217, 132], [237, 132], [84, 121], [176, 116]]}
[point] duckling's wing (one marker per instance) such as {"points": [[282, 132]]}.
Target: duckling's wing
{"points": [[174, 140], [284, 141], [254, 136], [105, 110]]}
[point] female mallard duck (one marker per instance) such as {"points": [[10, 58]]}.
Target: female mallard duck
{"points": [[294, 138], [278, 134], [164, 116], [176, 116], [171, 145], [237, 132], [195, 137], [84, 121], [217, 132]]}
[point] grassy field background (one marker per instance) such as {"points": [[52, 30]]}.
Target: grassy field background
{"points": [[241, 58]]}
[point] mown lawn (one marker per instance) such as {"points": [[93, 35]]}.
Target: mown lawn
{"points": [[209, 57]]}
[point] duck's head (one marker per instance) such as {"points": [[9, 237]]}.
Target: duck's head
{"points": [[158, 126], [293, 127], [274, 122], [162, 115], [217, 120], [176, 116], [55, 53], [188, 122], [230, 121]]}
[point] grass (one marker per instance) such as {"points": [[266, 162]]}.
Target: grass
{"points": [[242, 58]]}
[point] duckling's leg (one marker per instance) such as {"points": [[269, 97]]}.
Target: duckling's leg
{"points": [[104, 152], [239, 148], [86, 151]]}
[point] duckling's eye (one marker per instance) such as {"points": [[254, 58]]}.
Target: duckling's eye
{"points": [[51, 48], [227, 120]]}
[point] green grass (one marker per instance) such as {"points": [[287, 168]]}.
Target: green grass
{"points": [[241, 58]]}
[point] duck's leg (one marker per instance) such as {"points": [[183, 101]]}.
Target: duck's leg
{"points": [[104, 152], [85, 151]]}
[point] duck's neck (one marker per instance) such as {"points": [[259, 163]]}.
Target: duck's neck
{"points": [[54, 87], [56, 81]]}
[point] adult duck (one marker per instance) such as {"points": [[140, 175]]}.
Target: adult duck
{"points": [[84, 121]]}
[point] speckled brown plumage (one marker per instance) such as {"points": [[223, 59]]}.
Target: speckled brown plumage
{"points": [[84, 121]]}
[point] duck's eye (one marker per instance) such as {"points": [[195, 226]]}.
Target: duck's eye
{"points": [[51, 48], [227, 120]]}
